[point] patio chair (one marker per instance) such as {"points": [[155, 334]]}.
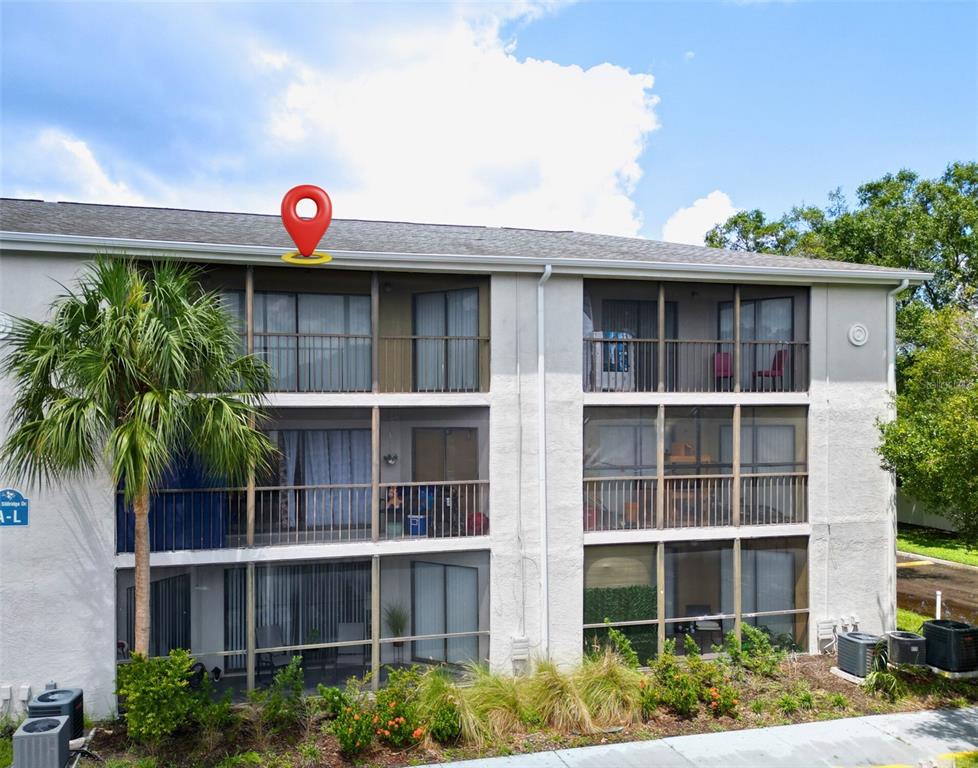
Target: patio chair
{"points": [[722, 370], [775, 373], [826, 635], [270, 636]]}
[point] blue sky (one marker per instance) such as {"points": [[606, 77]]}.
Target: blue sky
{"points": [[651, 119]]}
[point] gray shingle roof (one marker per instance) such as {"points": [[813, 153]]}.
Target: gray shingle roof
{"points": [[249, 229]]}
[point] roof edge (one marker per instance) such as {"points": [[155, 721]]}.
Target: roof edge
{"points": [[269, 255]]}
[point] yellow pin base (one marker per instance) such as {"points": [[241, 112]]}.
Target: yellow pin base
{"points": [[318, 257]]}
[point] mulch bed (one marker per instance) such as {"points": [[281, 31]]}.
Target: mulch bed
{"points": [[809, 673]]}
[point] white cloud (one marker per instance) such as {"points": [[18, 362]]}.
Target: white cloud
{"points": [[445, 123], [71, 171], [689, 55], [690, 225], [275, 60]]}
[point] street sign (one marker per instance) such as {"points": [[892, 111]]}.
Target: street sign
{"points": [[14, 508]]}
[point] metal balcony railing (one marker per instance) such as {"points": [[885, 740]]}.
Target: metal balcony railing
{"points": [[434, 509], [434, 364], [619, 503], [774, 498], [626, 364]]}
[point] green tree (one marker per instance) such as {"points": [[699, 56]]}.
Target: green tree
{"points": [[933, 445], [134, 369]]}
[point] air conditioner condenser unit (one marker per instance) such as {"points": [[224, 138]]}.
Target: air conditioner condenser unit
{"points": [[42, 742]]}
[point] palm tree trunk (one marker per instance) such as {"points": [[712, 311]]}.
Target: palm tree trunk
{"points": [[141, 509]]}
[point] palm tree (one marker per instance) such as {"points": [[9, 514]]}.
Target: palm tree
{"points": [[136, 368]]}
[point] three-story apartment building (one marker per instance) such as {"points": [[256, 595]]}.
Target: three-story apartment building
{"points": [[490, 442]]}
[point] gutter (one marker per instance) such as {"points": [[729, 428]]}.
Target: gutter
{"points": [[542, 465], [262, 254]]}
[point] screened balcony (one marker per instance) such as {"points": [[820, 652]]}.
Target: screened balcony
{"points": [[346, 331], [699, 584], [433, 610], [431, 466], [685, 337], [698, 484]]}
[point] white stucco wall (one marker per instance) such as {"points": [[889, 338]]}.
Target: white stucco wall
{"points": [[57, 589]]}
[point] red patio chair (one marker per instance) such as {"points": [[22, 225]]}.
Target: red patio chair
{"points": [[776, 372], [722, 369]]}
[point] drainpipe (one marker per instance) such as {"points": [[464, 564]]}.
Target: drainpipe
{"points": [[891, 335], [542, 466], [891, 386]]}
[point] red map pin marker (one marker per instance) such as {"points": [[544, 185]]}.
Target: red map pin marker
{"points": [[306, 233]]}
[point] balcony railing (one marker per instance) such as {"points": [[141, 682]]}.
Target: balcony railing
{"points": [[434, 363], [323, 362], [629, 503], [772, 499], [217, 518], [690, 365], [619, 503], [438, 510]]}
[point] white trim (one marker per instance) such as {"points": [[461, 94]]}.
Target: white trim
{"points": [[724, 533], [328, 551], [271, 255]]}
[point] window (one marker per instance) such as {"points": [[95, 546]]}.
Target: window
{"points": [[313, 342], [774, 588], [169, 605], [620, 586], [446, 350], [445, 600], [699, 592], [693, 441]]}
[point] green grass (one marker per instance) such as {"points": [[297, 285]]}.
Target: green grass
{"points": [[6, 752], [969, 760], [908, 621], [933, 543]]}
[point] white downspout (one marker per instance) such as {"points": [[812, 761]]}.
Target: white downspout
{"points": [[891, 335], [891, 388], [542, 466]]}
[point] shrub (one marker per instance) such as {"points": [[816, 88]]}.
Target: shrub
{"points": [[331, 700], [555, 698], [623, 646], [722, 700], [786, 704], [681, 696], [396, 721], [883, 683], [496, 701], [806, 700], [609, 686], [157, 695], [444, 713], [214, 716], [757, 706], [353, 728], [753, 652], [838, 701]]}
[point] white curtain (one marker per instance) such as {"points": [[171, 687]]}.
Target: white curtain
{"points": [[336, 457], [429, 358], [773, 319], [463, 354], [768, 578], [275, 342], [429, 609], [333, 362], [289, 445]]}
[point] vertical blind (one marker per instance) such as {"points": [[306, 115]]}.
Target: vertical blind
{"points": [[447, 363], [445, 600], [169, 607]]}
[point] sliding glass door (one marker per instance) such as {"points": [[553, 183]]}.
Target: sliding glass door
{"points": [[765, 326], [445, 600]]}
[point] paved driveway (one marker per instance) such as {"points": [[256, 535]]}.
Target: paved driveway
{"points": [[919, 580], [892, 740]]}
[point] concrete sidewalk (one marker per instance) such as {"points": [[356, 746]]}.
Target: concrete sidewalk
{"points": [[909, 739]]}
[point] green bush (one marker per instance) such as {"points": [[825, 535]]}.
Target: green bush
{"points": [[354, 728], [753, 652], [681, 696], [787, 704], [331, 700], [440, 708], [622, 645], [157, 694], [633, 603], [722, 700], [396, 718], [281, 705]]}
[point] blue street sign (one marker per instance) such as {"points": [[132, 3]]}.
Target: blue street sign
{"points": [[14, 508]]}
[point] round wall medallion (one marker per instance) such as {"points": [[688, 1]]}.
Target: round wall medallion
{"points": [[858, 334]]}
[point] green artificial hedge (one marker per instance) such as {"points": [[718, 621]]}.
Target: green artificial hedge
{"points": [[633, 603]]}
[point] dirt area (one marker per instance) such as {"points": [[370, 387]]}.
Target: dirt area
{"points": [[762, 704], [917, 585]]}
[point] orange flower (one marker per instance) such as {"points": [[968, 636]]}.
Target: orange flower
{"points": [[418, 733], [375, 720], [392, 704], [356, 717], [736, 702]]}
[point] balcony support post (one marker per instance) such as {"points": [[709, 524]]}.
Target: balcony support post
{"points": [[375, 331], [737, 579], [375, 622], [735, 452], [250, 624], [250, 348], [660, 467], [660, 591], [736, 337], [660, 346], [375, 473]]}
